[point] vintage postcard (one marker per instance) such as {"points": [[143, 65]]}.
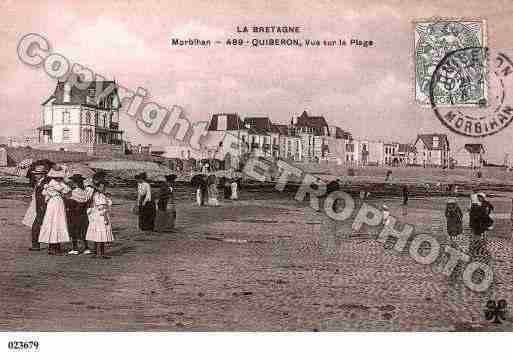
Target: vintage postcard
{"points": [[292, 166]]}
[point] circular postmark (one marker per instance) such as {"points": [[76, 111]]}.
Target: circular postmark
{"points": [[461, 78]]}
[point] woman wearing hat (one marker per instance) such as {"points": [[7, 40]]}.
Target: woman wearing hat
{"points": [[145, 203], [454, 219], [37, 208], [54, 230], [166, 212]]}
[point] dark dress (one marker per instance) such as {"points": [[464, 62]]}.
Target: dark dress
{"points": [[147, 214], [454, 220], [40, 211], [166, 212]]}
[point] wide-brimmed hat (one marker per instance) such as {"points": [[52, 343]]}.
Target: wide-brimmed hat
{"points": [[39, 169], [56, 173], [451, 200], [481, 194], [77, 177], [99, 176], [141, 176]]}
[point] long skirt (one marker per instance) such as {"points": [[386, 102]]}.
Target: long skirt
{"points": [[234, 194], [100, 228], [199, 200], [165, 220], [78, 225], [55, 227], [212, 195], [147, 216]]}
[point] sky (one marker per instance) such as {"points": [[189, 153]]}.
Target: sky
{"points": [[366, 91]]}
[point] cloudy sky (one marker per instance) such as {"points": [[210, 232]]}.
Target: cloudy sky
{"points": [[367, 91]]}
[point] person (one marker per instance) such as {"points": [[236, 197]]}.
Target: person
{"points": [[212, 190], [76, 207], [54, 229], [488, 209], [386, 215], [234, 184], [99, 230], [405, 200], [454, 218], [145, 203], [479, 224], [37, 208], [166, 211], [226, 184]]}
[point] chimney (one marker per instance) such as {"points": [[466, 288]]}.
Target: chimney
{"points": [[66, 97]]}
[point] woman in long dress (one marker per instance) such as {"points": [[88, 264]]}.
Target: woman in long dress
{"points": [[454, 218], [234, 189], [99, 230], [145, 203], [166, 212], [212, 190], [54, 230]]}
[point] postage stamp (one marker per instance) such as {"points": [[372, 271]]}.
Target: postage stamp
{"points": [[433, 40]]}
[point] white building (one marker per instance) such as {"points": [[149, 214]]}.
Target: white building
{"points": [[431, 150], [470, 155], [80, 116]]}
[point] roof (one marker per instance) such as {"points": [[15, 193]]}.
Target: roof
{"points": [[225, 122], [474, 147], [443, 142], [258, 123], [306, 120], [79, 95], [281, 129], [405, 147]]}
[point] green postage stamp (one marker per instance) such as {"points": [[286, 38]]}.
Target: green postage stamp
{"points": [[436, 40]]}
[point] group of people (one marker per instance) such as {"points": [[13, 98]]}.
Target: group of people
{"points": [[207, 188], [69, 209]]}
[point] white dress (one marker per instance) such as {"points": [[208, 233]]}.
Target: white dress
{"points": [[234, 194], [100, 228], [55, 227]]}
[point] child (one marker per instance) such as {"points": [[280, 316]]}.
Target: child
{"points": [[234, 185], [100, 228], [54, 229], [454, 218]]}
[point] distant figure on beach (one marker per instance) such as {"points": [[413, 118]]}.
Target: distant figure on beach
{"points": [[166, 211], [99, 230], [405, 200], [234, 195], [145, 203], [480, 222], [54, 230], [212, 184], [454, 218]]}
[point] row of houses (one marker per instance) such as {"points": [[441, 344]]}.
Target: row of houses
{"points": [[76, 118]]}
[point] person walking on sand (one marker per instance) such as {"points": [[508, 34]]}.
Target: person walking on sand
{"points": [[212, 190], [234, 188], [37, 208], [54, 230], [99, 230], [405, 200], [145, 203], [454, 218], [166, 212], [76, 207]]}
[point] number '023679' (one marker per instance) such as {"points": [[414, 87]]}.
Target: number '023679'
{"points": [[23, 345]]}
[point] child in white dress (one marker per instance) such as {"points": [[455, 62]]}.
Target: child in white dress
{"points": [[54, 229], [100, 228]]}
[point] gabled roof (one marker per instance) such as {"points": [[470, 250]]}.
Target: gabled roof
{"points": [[258, 123], [311, 121], [427, 139], [474, 148], [80, 93], [231, 121]]}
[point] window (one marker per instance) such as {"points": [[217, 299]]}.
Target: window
{"points": [[65, 117], [65, 134]]}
